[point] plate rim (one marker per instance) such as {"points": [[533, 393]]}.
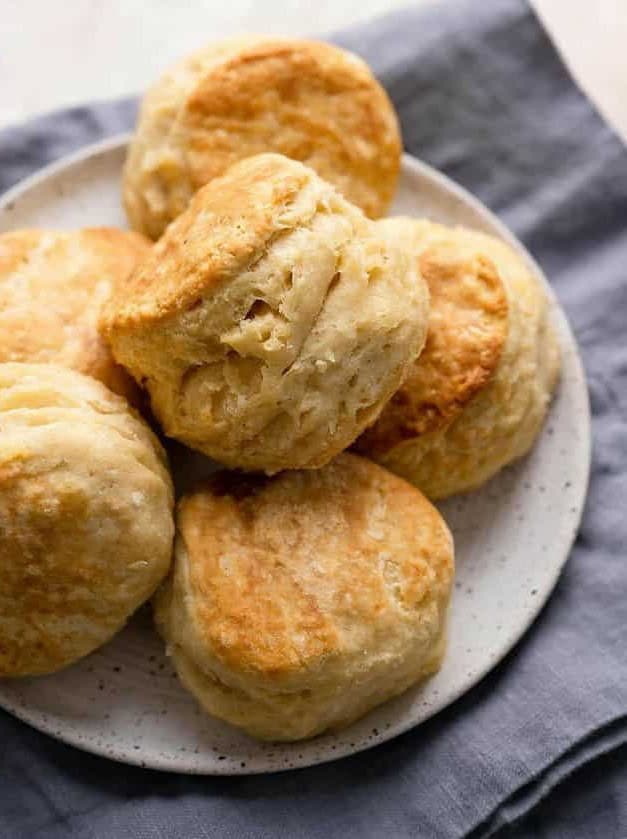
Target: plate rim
{"points": [[416, 167]]}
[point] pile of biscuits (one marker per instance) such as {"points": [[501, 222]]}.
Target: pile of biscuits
{"points": [[273, 324]]}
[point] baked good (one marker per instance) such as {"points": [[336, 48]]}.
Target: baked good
{"points": [[300, 602], [52, 287], [271, 322], [310, 101], [85, 516], [476, 398]]}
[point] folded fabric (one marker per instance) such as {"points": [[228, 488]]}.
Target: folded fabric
{"points": [[483, 96]]}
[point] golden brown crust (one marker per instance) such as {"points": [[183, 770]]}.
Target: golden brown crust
{"points": [[308, 100], [465, 338], [85, 516], [306, 585], [52, 288], [329, 98], [501, 420], [228, 224]]}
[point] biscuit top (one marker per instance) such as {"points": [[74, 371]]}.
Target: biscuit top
{"points": [[41, 395], [52, 288], [229, 224], [85, 516], [283, 573], [308, 100], [335, 116], [467, 330]]}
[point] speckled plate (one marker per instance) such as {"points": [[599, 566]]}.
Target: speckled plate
{"points": [[512, 539]]}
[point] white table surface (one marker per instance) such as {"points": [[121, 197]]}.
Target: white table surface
{"points": [[54, 54]]}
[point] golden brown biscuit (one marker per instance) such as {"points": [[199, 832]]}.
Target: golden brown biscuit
{"points": [[272, 321], [85, 516], [52, 287], [308, 100], [298, 603], [476, 398]]}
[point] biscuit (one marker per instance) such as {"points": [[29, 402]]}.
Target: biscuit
{"points": [[476, 398], [52, 287], [86, 521], [310, 101], [300, 602], [271, 322]]}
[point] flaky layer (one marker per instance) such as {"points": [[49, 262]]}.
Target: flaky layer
{"points": [[310, 101], [85, 516], [298, 603], [272, 321]]}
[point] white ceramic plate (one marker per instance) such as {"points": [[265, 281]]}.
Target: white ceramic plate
{"points": [[512, 539]]}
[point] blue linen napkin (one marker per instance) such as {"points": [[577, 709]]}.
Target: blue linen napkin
{"points": [[483, 96]]}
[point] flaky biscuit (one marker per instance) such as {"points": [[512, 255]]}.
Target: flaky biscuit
{"points": [[271, 322], [298, 603], [476, 398], [85, 516], [308, 100], [52, 287]]}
